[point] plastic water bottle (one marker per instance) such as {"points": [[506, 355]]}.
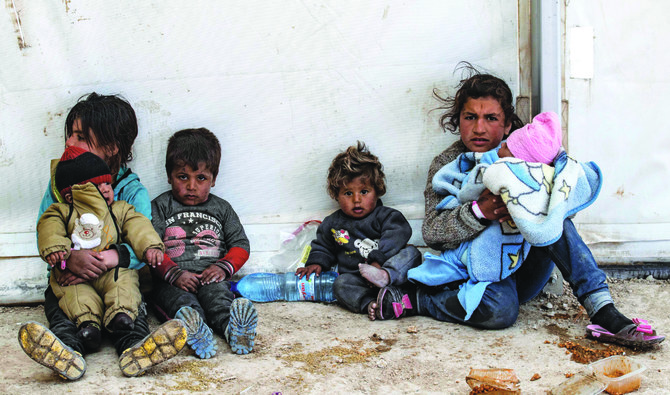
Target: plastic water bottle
{"points": [[268, 287]]}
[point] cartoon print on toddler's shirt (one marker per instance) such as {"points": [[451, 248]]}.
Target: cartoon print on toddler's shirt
{"points": [[341, 236], [366, 246], [194, 233], [361, 246]]}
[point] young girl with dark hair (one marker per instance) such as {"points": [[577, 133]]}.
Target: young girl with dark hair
{"points": [[482, 113]]}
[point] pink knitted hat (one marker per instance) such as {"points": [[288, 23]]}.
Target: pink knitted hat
{"points": [[539, 141]]}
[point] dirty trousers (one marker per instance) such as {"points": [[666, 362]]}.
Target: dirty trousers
{"points": [[212, 302], [355, 293], [101, 299], [66, 330]]}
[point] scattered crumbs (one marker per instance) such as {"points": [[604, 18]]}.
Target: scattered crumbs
{"points": [[193, 376], [322, 361], [584, 354]]}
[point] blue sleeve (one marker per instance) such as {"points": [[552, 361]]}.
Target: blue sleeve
{"points": [[47, 200], [136, 194]]}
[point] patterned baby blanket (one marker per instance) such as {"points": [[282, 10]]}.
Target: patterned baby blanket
{"points": [[538, 197]]}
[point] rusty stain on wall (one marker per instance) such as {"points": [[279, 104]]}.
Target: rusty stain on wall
{"points": [[51, 118], [620, 192], [16, 20]]}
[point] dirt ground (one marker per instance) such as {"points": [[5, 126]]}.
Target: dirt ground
{"points": [[311, 348]]}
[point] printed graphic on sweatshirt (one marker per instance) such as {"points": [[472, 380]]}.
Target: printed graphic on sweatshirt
{"points": [[341, 236], [366, 246], [87, 232], [192, 236]]}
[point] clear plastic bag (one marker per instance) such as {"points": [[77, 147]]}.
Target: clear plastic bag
{"points": [[295, 247]]}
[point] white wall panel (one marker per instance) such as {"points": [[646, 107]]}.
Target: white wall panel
{"points": [[617, 118], [284, 85]]}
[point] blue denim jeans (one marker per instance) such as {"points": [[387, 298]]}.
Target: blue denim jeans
{"points": [[499, 307]]}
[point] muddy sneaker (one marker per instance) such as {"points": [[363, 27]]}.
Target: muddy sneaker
{"points": [[159, 346], [43, 347], [200, 337], [241, 330]]}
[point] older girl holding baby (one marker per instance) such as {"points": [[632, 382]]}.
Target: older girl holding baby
{"points": [[482, 114]]}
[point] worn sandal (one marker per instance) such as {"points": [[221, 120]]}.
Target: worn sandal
{"points": [[392, 302], [241, 330], [200, 337], [639, 334]]}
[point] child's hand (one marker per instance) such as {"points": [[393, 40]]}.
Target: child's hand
{"points": [[68, 278], [55, 258], [308, 270], [87, 264], [154, 257], [213, 274], [188, 281], [493, 207]]}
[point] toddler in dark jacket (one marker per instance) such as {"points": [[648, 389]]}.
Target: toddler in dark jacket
{"points": [[207, 244], [366, 240]]}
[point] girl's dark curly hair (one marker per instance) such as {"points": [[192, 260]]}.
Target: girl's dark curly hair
{"points": [[475, 85], [355, 161]]}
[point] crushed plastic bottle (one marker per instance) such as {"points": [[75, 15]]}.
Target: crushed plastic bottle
{"points": [[269, 287]]}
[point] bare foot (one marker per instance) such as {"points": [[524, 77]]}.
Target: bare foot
{"points": [[372, 310], [378, 277]]}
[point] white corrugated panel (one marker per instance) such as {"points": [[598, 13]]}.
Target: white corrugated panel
{"points": [[284, 85], [617, 119]]}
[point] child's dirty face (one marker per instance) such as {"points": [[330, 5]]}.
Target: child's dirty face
{"points": [[357, 198], [107, 192], [191, 186], [482, 124]]}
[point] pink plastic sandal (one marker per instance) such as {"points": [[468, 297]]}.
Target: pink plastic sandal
{"points": [[639, 334], [391, 300]]}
